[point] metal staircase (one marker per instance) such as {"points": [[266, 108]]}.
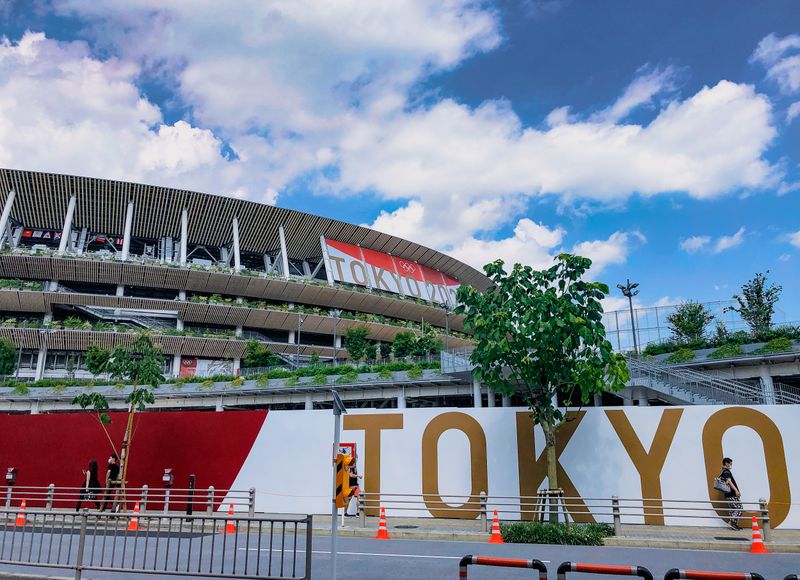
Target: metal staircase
{"points": [[697, 387]]}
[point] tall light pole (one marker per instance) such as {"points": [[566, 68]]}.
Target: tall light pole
{"points": [[338, 410], [629, 292], [446, 326]]}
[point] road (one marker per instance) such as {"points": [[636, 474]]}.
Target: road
{"points": [[366, 559]]}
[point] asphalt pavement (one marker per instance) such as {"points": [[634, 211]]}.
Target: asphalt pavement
{"points": [[367, 559]]}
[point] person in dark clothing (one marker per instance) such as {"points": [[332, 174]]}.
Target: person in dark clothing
{"points": [[734, 496], [90, 490], [112, 480]]}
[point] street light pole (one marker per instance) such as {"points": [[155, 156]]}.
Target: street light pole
{"points": [[336, 314], [300, 319], [629, 292], [338, 410], [446, 327]]}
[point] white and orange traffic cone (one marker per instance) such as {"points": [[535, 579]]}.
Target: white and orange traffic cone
{"points": [[133, 526], [230, 528], [497, 537], [383, 532], [757, 546], [21, 514]]}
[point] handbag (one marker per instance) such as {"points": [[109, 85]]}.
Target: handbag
{"points": [[722, 486]]}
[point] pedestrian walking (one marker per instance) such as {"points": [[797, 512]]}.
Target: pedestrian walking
{"points": [[355, 491], [112, 481], [90, 489], [733, 495]]}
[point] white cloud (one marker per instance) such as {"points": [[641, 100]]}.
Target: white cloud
{"points": [[781, 58], [615, 303], [640, 92], [785, 257], [727, 242], [794, 239], [793, 112], [63, 111], [694, 243]]}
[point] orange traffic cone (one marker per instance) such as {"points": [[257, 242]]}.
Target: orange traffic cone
{"points": [[133, 526], [21, 514], [757, 547], [497, 537], [230, 528], [383, 533]]}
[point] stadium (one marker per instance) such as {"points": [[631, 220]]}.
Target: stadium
{"points": [[88, 261]]}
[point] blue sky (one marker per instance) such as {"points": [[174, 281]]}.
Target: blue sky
{"points": [[661, 139]]}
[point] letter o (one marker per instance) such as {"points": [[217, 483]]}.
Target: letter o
{"points": [[430, 465]]}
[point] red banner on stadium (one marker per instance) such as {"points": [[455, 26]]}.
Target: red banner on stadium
{"points": [[365, 267]]}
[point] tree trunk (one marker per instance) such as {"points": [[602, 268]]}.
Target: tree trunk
{"points": [[552, 466], [125, 454]]}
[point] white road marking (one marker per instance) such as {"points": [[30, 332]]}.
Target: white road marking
{"points": [[377, 555]]}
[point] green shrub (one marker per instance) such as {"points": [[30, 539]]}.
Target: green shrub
{"points": [[385, 374], [207, 384], [262, 381], [681, 355], [278, 374], [350, 377], [727, 351], [320, 379], [21, 389], [414, 372], [775, 345], [292, 381], [237, 382], [573, 535]]}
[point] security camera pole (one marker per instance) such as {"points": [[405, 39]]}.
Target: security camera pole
{"points": [[338, 411], [629, 293]]}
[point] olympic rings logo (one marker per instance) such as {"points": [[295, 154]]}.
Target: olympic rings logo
{"points": [[408, 267]]}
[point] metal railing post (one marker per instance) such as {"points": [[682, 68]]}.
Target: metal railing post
{"points": [[616, 514], [484, 522], [143, 499], [8, 496], [210, 502], [362, 511], [309, 546], [765, 529], [166, 500], [81, 544], [51, 492], [251, 502]]}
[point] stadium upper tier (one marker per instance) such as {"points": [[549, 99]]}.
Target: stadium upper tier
{"points": [[85, 260]]}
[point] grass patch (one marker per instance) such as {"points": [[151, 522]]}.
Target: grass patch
{"points": [[574, 535], [781, 344], [681, 355], [727, 351]]}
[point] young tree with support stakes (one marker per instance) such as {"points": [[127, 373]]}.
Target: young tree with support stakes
{"points": [[139, 364], [540, 332]]}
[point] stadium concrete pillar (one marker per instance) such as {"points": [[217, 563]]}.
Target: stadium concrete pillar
{"points": [[237, 256], [506, 401], [66, 231], [126, 238], [291, 337], [176, 365], [120, 290], [184, 236], [767, 385], [401, 399], [309, 404], [598, 399], [238, 331], [284, 253], [40, 360], [6, 215], [476, 391], [179, 321], [219, 407], [35, 407], [490, 398], [237, 366]]}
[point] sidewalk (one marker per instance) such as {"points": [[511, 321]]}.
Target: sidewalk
{"points": [[673, 537]]}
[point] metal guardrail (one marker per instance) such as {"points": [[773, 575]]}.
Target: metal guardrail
{"points": [[231, 546], [165, 500], [614, 510]]}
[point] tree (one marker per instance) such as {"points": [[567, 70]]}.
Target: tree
{"points": [[541, 332], [356, 343], [427, 343], [403, 344], [385, 349], [139, 364], [96, 359], [257, 355], [688, 322], [756, 304], [8, 356]]}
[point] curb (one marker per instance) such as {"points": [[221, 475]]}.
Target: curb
{"points": [[623, 542], [407, 534]]}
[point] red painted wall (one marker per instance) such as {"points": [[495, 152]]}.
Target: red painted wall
{"points": [[55, 448]]}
